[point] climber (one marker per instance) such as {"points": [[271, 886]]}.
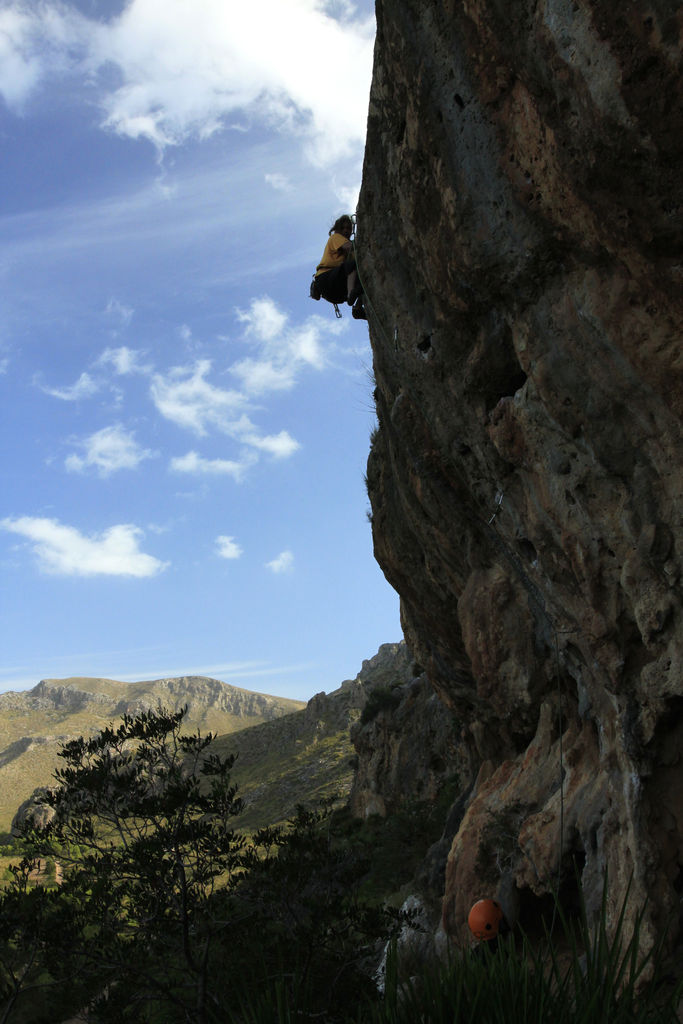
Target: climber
{"points": [[487, 923], [336, 277]]}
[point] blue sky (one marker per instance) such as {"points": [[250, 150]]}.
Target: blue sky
{"points": [[184, 432]]}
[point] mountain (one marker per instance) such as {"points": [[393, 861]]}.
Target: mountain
{"points": [[34, 724], [521, 220], [292, 753], [307, 756]]}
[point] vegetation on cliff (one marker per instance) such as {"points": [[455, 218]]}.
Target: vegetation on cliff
{"points": [[581, 976]]}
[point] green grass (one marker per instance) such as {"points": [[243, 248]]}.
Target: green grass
{"points": [[292, 761], [584, 973]]}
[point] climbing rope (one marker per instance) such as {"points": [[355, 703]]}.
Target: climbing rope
{"points": [[536, 600], [560, 723], [367, 301], [559, 726], [499, 505]]}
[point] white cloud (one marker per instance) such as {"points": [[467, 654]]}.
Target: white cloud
{"points": [[263, 319], [227, 548], [124, 361], [121, 312], [187, 69], [281, 351], [280, 445], [20, 71], [185, 397], [283, 563], [107, 451], [280, 182], [304, 346], [194, 463], [64, 551], [85, 387], [347, 194], [257, 376], [37, 41]]}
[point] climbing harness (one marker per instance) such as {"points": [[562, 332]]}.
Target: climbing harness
{"points": [[316, 294]]}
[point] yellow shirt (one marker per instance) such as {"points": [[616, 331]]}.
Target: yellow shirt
{"points": [[334, 254]]}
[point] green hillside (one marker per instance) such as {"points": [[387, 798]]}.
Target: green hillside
{"points": [[303, 757], [36, 723]]}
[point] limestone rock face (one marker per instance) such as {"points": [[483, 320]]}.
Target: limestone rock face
{"points": [[200, 694], [406, 750], [392, 665], [520, 230]]}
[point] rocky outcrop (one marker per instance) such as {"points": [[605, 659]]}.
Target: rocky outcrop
{"points": [[35, 812], [200, 694], [391, 666], [520, 229], [307, 756], [408, 745]]}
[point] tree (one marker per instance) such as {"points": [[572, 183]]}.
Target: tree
{"points": [[150, 811], [316, 939], [166, 913], [32, 918]]}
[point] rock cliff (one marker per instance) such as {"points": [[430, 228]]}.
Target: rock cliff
{"points": [[408, 746], [520, 228], [307, 756]]}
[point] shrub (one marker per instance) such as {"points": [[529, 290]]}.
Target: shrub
{"points": [[384, 698]]}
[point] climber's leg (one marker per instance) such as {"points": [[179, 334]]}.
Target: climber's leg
{"points": [[352, 287]]}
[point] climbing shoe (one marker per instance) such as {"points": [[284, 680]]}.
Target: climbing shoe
{"points": [[358, 311]]}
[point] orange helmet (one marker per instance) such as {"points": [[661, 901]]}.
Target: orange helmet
{"points": [[484, 919]]}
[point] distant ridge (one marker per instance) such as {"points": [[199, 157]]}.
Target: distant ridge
{"points": [[34, 724], [308, 756]]}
